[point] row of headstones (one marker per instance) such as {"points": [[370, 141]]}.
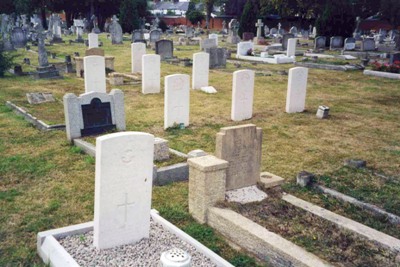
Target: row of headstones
{"points": [[336, 42], [288, 44]]}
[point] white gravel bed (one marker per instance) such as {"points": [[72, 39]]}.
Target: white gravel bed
{"points": [[147, 252]]}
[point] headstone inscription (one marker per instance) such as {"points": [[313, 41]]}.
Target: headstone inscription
{"points": [[242, 95], [297, 87], [165, 48], [176, 102], [18, 37], [241, 147]]}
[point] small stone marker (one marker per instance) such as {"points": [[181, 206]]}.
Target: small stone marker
{"points": [[242, 95], [165, 48], [304, 178], [297, 87], [291, 48], [93, 40], [177, 100], [161, 149], [323, 112], [123, 186], [241, 147], [355, 163], [39, 98], [137, 52], [196, 153], [151, 74], [201, 62], [95, 74]]}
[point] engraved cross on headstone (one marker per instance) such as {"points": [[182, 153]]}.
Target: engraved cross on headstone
{"points": [[259, 26], [125, 207]]}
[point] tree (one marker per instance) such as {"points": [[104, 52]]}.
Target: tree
{"points": [[248, 18], [194, 15], [390, 9]]}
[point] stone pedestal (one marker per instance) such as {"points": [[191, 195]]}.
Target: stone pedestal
{"points": [[206, 184], [79, 65], [47, 72]]}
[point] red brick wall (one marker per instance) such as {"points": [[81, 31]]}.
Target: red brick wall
{"points": [[215, 23]]}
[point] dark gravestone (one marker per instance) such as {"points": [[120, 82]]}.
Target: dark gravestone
{"points": [[18, 38], [350, 43], [248, 36], [96, 118], [285, 40], [218, 57], [320, 42], [67, 59], [136, 35], [336, 42], [368, 44], [165, 48]]}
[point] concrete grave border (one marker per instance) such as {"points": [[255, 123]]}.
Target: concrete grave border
{"points": [[53, 254], [382, 74], [33, 120]]}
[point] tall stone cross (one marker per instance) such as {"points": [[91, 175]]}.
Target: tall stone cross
{"points": [[259, 26]]}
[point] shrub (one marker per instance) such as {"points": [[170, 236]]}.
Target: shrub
{"points": [[6, 62], [386, 67]]}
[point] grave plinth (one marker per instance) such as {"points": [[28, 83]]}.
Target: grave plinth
{"points": [[47, 72], [109, 61]]}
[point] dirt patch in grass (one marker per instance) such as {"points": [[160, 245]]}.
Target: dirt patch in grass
{"points": [[315, 234]]}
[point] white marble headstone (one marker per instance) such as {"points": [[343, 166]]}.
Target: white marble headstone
{"points": [[291, 49], [123, 186], [297, 87], [177, 100], [214, 36], [137, 51], [93, 40], [95, 74], [244, 47], [242, 95], [201, 63], [151, 74]]}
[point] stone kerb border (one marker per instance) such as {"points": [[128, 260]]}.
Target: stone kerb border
{"points": [[53, 254], [33, 120], [382, 74]]}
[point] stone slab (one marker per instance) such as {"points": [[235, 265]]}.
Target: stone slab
{"points": [[39, 98], [245, 195], [382, 74], [269, 180]]}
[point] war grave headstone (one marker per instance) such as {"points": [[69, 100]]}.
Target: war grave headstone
{"points": [[319, 42], [93, 113], [349, 43], [151, 74], [155, 35], [137, 52], [214, 36], [116, 31], [297, 88], [218, 56], [291, 49], [368, 44], [93, 40], [336, 42], [248, 36], [39, 98], [176, 100], [208, 43], [242, 95], [165, 48], [285, 39], [241, 147], [200, 70], [95, 74]]}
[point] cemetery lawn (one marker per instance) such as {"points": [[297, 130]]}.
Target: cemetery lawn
{"points": [[46, 183]]}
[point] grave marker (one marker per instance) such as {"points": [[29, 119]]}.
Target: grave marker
{"points": [[291, 49], [297, 87], [165, 48], [95, 74], [242, 95], [368, 44], [320, 42], [93, 40], [151, 74], [177, 100], [214, 36], [208, 43], [137, 52], [201, 62]]}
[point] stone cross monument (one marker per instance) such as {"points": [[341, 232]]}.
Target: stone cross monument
{"points": [[259, 39]]}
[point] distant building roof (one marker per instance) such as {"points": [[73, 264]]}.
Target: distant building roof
{"points": [[183, 6]]}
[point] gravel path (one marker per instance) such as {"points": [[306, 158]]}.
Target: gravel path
{"points": [[145, 253]]}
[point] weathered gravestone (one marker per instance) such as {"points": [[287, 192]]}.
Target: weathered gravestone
{"points": [[218, 57], [336, 42], [208, 43], [116, 31], [39, 98], [200, 70], [93, 113], [293, 31], [123, 186], [273, 31], [151, 74], [137, 35], [319, 42], [165, 48], [155, 35], [137, 52], [189, 32], [247, 36], [176, 100], [285, 39], [95, 74], [350, 43], [297, 88], [243, 48], [93, 40], [242, 95], [368, 44], [214, 36], [18, 38], [241, 147]]}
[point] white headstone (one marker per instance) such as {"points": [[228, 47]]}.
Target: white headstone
{"points": [[123, 185], [201, 63], [213, 36], [297, 87], [93, 40], [151, 74], [291, 49], [95, 74], [244, 47], [137, 51], [177, 100], [242, 95]]}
